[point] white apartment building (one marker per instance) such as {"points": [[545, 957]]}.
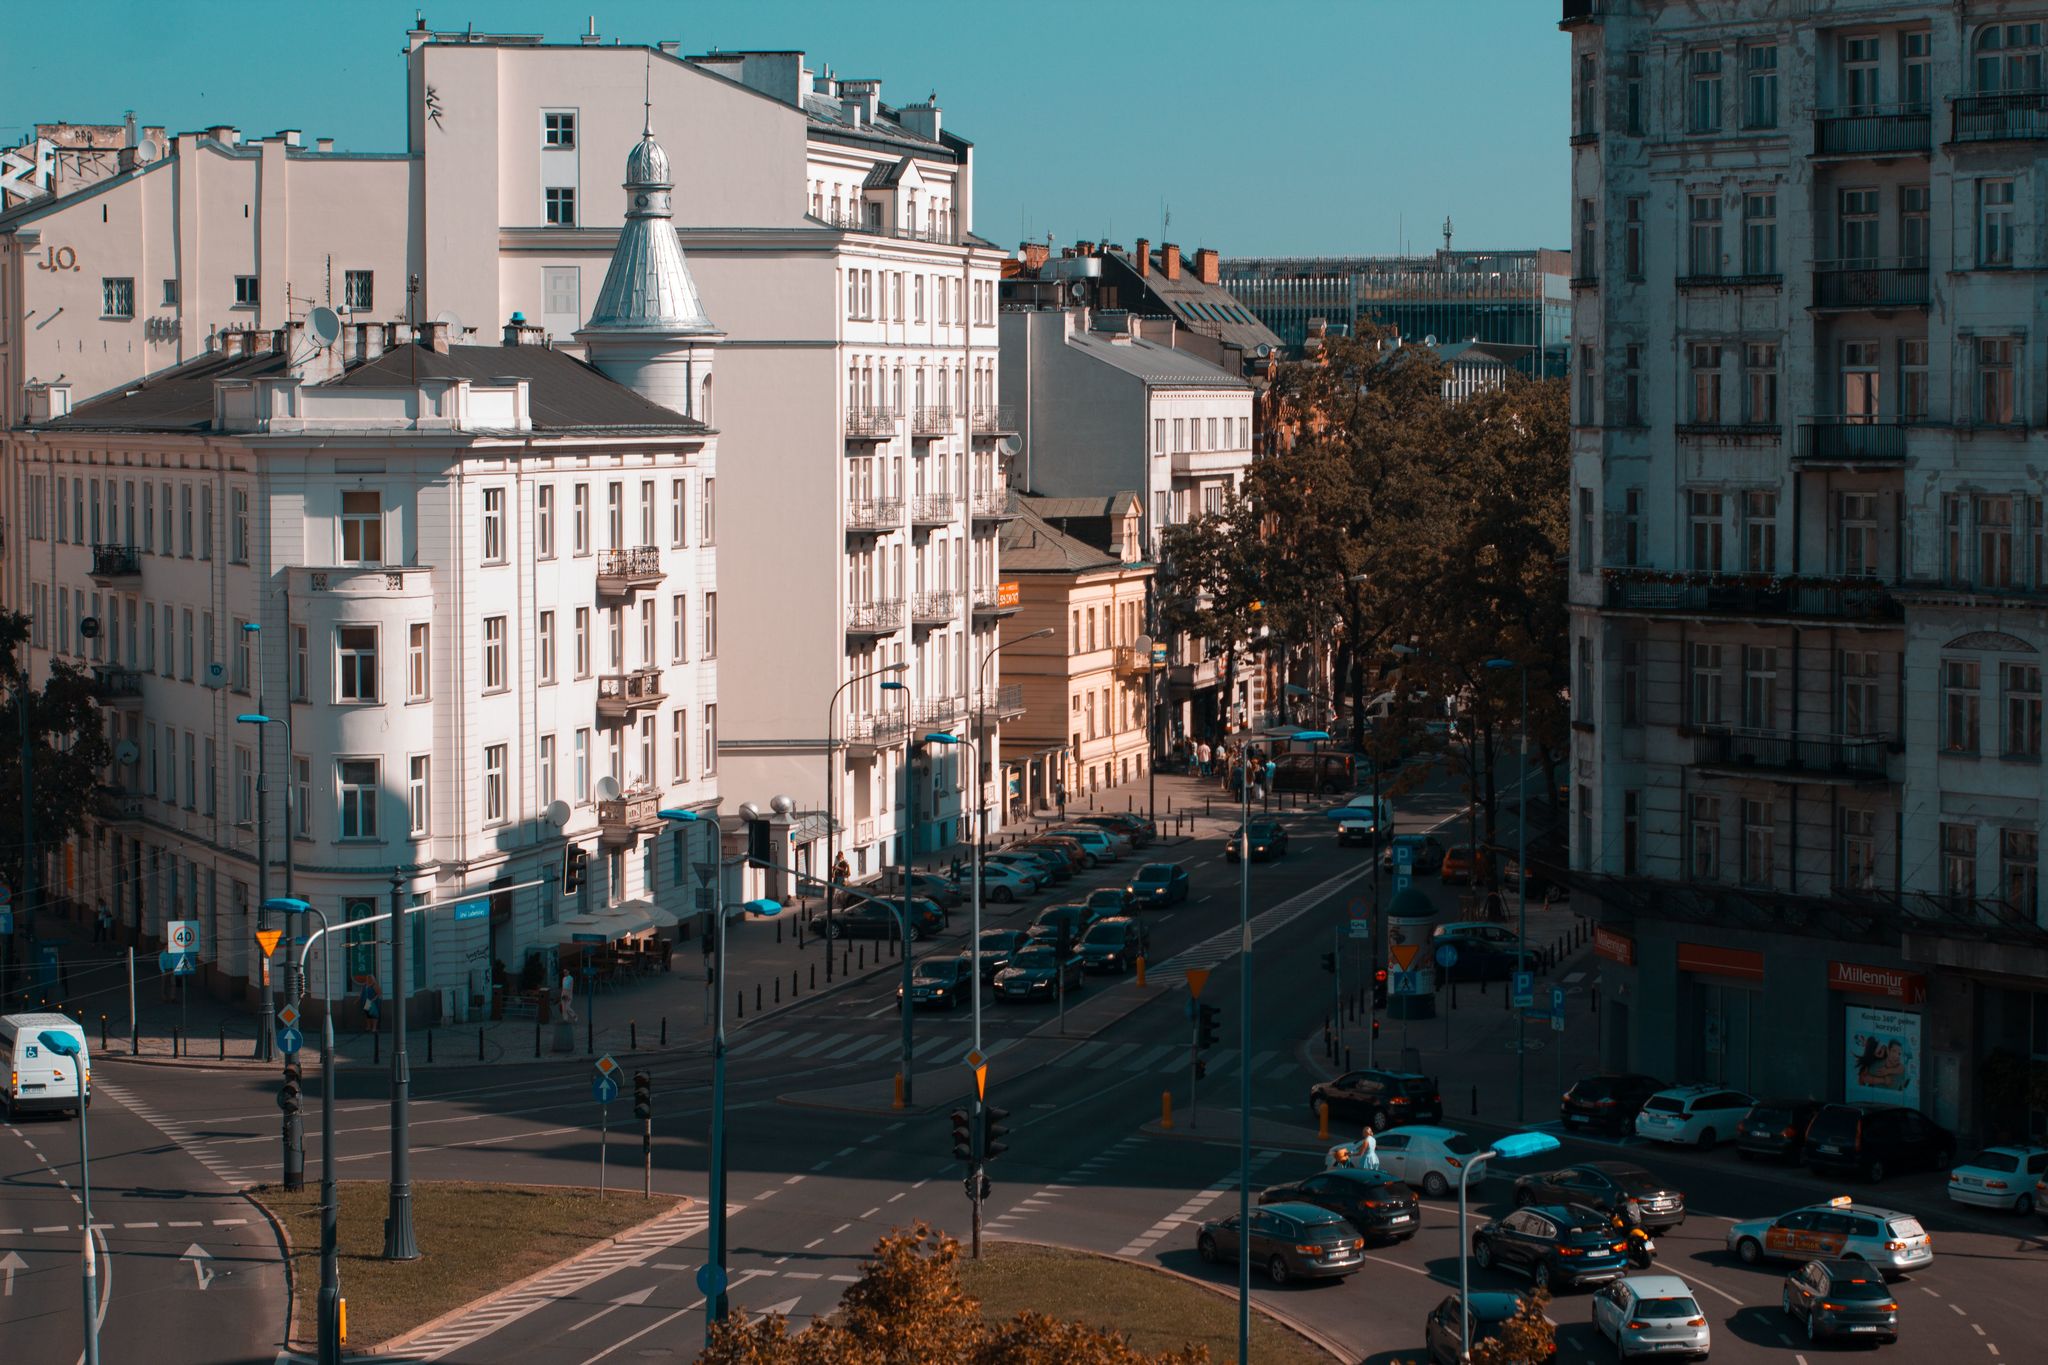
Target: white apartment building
{"points": [[1105, 408], [480, 581], [829, 235], [1809, 587]]}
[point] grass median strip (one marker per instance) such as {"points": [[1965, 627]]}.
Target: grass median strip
{"points": [[473, 1239], [1157, 1312]]}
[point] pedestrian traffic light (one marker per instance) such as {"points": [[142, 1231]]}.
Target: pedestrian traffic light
{"points": [[288, 1093], [573, 860], [1330, 963], [1205, 1027], [995, 1132], [1375, 1028], [1379, 989], [1201, 1068], [643, 1096], [963, 1134]]}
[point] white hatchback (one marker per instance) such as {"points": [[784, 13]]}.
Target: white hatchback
{"points": [[1697, 1115], [2000, 1178], [1429, 1158], [1651, 1315]]}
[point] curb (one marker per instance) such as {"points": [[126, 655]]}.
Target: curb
{"points": [[1281, 1320], [284, 1243]]}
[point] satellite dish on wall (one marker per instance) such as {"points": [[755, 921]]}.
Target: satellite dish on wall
{"points": [[557, 813], [607, 788], [125, 753], [449, 317], [1012, 443], [323, 327]]}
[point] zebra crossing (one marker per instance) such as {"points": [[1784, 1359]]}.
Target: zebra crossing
{"points": [[1191, 1209], [564, 1281], [1095, 1055], [180, 1132]]}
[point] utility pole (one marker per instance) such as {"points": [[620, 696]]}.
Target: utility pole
{"points": [[398, 1239]]}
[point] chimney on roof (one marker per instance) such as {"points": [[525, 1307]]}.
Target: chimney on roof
{"points": [[1208, 266], [1142, 258], [1169, 260], [921, 119], [670, 46], [289, 135], [590, 38], [48, 402], [520, 332], [323, 144], [432, 335], [860, 100], [1034, 255], [222, 133], [369, 340]]}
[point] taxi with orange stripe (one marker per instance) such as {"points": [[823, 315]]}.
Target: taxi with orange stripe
{"points": [[1892, 1243]]}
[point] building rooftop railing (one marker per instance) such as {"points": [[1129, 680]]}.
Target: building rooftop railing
{"points": [[1686, 593], [1855, 757]]}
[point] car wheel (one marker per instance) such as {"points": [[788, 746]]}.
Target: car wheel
{"points": [[1379, 1120], [1435, 1186], [1944, 1158], [1523, 1198], [1812, 1325], [1002, 895], [1707, 1139], [1750, 1250], [1540, 1276], [1205, 1247], [1873, 1171], [2024, 1204], [1482, 1254], [1276, 1270]]}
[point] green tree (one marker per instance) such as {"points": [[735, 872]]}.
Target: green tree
{"points": [[1527, 1338], [66, 746]]}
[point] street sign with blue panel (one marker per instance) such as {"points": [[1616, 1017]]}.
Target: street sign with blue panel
{"points": [[290, 1040], [1525, 990], [177, 964], [1401, 880], [604, 1089], [710, 1280], [1557, 1001], [1404, 983], [1446, 955], [6, 920], [472, 909], [1404, 858]]}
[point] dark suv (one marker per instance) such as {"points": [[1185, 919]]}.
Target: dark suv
{"points": [[1874, 1140], [1383, 1098], [1377, 1204], [1775, 1128], [1610, 1102]]}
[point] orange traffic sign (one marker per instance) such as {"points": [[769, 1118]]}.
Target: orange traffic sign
{"points": [[1404, 953], [981, 1081], [1198, 977], [606, 1066], [266, 939]]}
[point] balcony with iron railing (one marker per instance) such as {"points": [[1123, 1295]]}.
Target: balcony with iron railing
{"points": [[877, 617], [994, 419], [1873, 130], [619, 572], [113, 802], [116, 686], [941, 710], [1870, 285], [926, 423], [1812, 758], [1009, 702], [619, 695], [1684, 593], [116, 561], [993, 600], [944, 236], [1730, 433], [1852, 440], [1135, 660], [870, 423], [934, 608], [2016, 116], [933, 509], [1731, 283], [871, 516], [622, 820], [992, 504], [865, 735], [1580, 11]]}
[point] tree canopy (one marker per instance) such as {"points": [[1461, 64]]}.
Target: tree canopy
{"points": [[67, 748]]}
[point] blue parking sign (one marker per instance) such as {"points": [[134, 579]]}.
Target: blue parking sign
{"points": [[1525, 990]]}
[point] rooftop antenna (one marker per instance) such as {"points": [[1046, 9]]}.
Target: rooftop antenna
{"points": [[1447, 234], [647, 98]]}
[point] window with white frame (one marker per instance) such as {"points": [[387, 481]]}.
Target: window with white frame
{"points": [[707, 517], [615, 637], [1706, 383], [650, 774], [679, 628], [362, 527], [357, 781], [1959, 860], [558, 128], [494, 654], [1960, 705], [544, 648], [647, 650], [494, 783], [1860, 692], [1706, 838], [1760, 383], [238, 544], [2021, 685], [1760, 530], [544, 521], [494, 525], [1704, 241], [579, 519], [1706, 684], [1759, 843], [581, 791], [581, 641], [244, 655], [1915, 203], [2008, 59], [1997, 366], [708, 748], [117, 298], [678, 512], [1703, 91], [418, 663], [1994, 222], [247, 292], [358, 291], [1632, 237], [1859, 848], [1705, 517], [301, 662], [355, 663], [1759, 687], [2019, 871], [1913, 379], [559, 206], [1993, 517], [416, 794], [245, 780], [544, 769], [1760, 85], [1760, 233], [710, 626], [681, 737]]}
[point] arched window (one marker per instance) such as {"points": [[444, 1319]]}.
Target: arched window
{"points": [[2008, 59]]}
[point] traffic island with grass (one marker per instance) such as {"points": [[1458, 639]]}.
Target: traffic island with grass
{"points": [[1155, 1311], [473, 1240]]}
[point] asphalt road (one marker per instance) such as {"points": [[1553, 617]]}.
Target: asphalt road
{"points": [[822, 1166]]}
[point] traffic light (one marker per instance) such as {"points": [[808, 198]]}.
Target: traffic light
{"points": [[573, 859], [288, 1093], [1201, 1068], [1330, 963], [1379, 989], [1205, 1027], [995, 1132], [963, 1134], [643, 1096], [1375, 1028]]}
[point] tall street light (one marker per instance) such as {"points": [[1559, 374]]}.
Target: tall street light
{"points": [[1244, 1045], [65, 1045], [329, 1317], [1521, 881], [294, 1128], [715, 1298], [832, 791], [1512, 1146], [981, 829]]}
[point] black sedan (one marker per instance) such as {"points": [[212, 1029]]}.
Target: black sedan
{"points": [[1557, 1246], [1608, 1186], [1611, 1101], [1289, 1241], [940, 982], [1377, 1204], [1266, 838], [1158, 885], [1841, 1299], [1775, 1128], [998, 946], [1384, 1099], [1478, 960], [1037, 973], [873, 919]]}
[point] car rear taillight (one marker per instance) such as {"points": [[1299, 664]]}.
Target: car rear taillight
{"points": [[1695, 1322], [1789, 1132], [1827, 1307], [1570, 1251], [1637, 1324], [1310, 1248], [1892, 1307], [1606, 1103], [1453, 1162], [1398, 1099], [1894, 1246]]}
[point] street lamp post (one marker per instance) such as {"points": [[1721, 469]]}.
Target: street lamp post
{"points": [[1521, 880], [329, 1315], [65, 1045], [294, 1128], [832, 793], [981, 829], [398, 1237], [1244, 1048], [1512, 1146], [715, 1297], [905, 865]]}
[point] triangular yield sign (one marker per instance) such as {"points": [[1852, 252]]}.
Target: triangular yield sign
{"points": [[1198, 977], [266, 939], [1404, 953], [981, 1081]]}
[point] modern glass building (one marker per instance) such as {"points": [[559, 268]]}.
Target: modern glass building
{"points": [[1519, 299]]}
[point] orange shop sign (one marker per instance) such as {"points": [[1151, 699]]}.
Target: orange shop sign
{"points": [[1615, 947], [1701, 957], [1907, 987], [1007, 594]]}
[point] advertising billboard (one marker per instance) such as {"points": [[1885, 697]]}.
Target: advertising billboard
{"points": [[1883, 1055]]}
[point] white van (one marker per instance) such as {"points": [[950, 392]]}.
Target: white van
{"points": [[39, 1079]]}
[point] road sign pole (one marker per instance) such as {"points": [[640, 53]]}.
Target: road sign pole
{"points": [[604, 1142], [647, 1159], [398, 1239]]}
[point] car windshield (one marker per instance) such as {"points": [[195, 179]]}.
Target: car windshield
{"points": [[1858, 1287], [1994, 1161], [1106, 897], [1834, 1124], [1664, 1104], [1108, 934], [1037, 956], [942, 972], [1677, 1306], [1156, 872]]}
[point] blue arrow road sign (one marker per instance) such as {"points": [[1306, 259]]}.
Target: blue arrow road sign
{"points": [[1446, 955], [1525, 989], [472, 909], [604, 1089], [290, 1040]]}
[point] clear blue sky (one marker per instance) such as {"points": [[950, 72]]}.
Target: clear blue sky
{"points": [[1275, 127]]}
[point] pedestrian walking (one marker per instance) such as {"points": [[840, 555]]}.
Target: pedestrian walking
{"points": [[568, 997], [1203, 752], [1369, 1150], [1059, 796], [370, 1000], [102, 924], [842, 873]]}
